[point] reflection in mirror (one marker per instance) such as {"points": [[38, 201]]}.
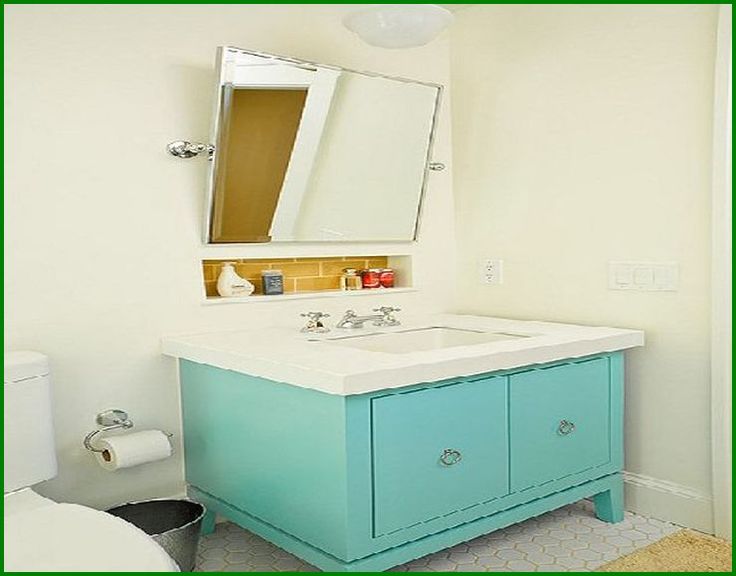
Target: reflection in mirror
{"points": [[313, 153], [255, 147]]}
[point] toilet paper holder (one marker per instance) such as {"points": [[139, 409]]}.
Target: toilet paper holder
{"points": [[107, 420]]}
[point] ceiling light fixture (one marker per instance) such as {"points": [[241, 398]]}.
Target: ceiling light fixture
{"points": [[398, 25]]}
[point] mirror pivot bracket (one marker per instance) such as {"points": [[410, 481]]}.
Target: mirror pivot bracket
{"points": [[186, 149]]}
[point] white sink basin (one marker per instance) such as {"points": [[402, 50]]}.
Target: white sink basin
{"points": [[420, 339]]}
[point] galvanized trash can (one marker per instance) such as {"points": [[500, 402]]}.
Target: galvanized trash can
{"points": [[174, 524]]}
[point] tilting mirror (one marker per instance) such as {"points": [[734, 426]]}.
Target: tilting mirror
{"points": [[310, 153]]}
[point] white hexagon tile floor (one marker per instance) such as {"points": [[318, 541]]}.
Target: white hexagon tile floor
{"points": [[570, 539]]}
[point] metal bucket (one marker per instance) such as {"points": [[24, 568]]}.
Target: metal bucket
{"points": [[174, 524]]}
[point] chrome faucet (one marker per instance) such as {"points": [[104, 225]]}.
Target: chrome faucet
{"points": [[385, 317]]}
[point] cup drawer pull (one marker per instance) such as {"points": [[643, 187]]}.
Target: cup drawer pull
{"points": [[566, 427], [450, 456]]}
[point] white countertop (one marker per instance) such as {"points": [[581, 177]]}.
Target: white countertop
{"points": [[312, 361]]}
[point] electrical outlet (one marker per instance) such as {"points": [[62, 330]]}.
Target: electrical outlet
{"points": [[491, 271]]}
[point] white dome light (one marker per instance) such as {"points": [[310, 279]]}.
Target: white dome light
{"points": [[399, 25]]}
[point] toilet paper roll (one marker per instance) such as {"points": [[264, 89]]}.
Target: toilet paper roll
{"points": [[133, 449]]}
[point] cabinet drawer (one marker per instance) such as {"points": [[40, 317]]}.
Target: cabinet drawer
{"points": [[560, 422], [411, 431]]}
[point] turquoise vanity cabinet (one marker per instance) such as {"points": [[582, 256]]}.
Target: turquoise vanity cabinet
{"points": [[370, 481]]}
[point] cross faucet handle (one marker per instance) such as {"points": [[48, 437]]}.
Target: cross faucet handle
{"points": [[388, 316], [315, 315], [314, 322], [387, 309]]}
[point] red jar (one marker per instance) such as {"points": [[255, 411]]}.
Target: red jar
{"points": [[371, 278], [386, 278]]}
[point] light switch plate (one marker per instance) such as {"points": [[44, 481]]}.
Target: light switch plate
{"points": [[644, 276]]}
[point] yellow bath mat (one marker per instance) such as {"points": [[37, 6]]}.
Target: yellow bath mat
{"points": [[684, 551]]}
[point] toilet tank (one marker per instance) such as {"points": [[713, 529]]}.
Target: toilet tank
{"points": [[30, 451]]}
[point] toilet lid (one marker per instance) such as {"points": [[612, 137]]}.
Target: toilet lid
{"points": [[73, 538]]}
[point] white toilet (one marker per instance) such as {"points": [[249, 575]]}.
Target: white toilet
{"points": [[43, 535]]}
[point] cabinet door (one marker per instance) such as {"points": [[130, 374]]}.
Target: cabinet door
{"points": [[437, 451], [560, 422]]}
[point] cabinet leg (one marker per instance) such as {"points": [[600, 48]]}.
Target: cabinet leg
{"points": [[208, 523], [609, 505]]}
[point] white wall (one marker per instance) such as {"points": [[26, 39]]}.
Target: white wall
{"points": [[582, 134], [103, 228]]}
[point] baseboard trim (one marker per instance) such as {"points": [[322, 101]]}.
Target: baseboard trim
{"points": [[668, 501]]}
